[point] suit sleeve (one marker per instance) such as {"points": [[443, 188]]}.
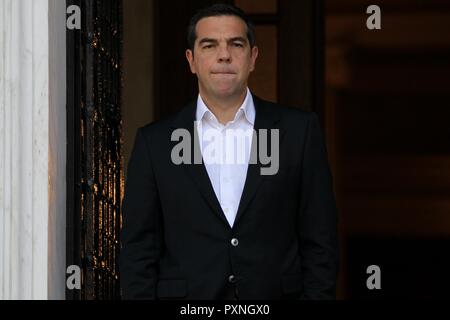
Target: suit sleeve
{"points": [[141, 231], [317, 220]]}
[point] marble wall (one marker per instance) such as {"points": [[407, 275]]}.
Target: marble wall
{"points": [[32, 149]]}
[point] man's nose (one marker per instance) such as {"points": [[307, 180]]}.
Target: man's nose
{"points": [[224, 54]]}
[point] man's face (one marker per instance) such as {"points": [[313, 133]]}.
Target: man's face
{"points": [[222, 57]]}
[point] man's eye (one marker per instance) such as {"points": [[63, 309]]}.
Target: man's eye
{"points": [[237, 44], [209, 46]]}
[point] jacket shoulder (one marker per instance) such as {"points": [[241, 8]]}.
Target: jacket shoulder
{"points": [[159, 127], [290, 115]]}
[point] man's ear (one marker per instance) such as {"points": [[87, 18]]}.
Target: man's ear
{"points": [[190, 59], [254, 56]]}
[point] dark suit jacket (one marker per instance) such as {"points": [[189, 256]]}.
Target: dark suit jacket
{"points": [[176, 241]]}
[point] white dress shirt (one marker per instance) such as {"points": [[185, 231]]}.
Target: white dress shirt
{"points": [[226, 152]]}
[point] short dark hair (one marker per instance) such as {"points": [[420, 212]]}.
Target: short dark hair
{"points": [[216, 10]]}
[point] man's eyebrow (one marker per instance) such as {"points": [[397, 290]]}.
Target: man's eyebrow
{"points": [[237, 39], [211, 40], [207, 40]]}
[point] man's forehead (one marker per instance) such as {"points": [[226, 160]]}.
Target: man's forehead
{"points": [[221, 27]]}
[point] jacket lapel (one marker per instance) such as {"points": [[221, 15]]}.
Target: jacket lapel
{"points": [[267, 117], [197, 172]]}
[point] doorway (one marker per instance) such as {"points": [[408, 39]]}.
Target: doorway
{"points": [[123, 67]]}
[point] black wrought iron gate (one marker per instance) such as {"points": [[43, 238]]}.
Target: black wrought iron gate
{"points": [[94, 162]]}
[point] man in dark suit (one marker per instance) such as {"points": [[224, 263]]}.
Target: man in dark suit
{"points": [[220, 230]]}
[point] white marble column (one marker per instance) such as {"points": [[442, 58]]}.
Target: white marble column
{"points": [[32, 149]]}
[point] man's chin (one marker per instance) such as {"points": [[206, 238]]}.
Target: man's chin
{"points": [[227, 92]]}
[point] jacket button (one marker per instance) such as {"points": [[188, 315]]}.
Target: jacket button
{"points": [[232, 279], [234, 242]]}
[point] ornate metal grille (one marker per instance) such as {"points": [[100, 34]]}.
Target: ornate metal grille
{"points": [[95, 172]]}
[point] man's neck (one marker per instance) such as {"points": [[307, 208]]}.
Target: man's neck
{"points": [[224, 109]]}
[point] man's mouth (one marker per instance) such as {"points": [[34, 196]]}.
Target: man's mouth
{"points": [[223, 73]]}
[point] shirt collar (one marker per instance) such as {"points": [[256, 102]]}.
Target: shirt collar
{"points": [[247, 106]]}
